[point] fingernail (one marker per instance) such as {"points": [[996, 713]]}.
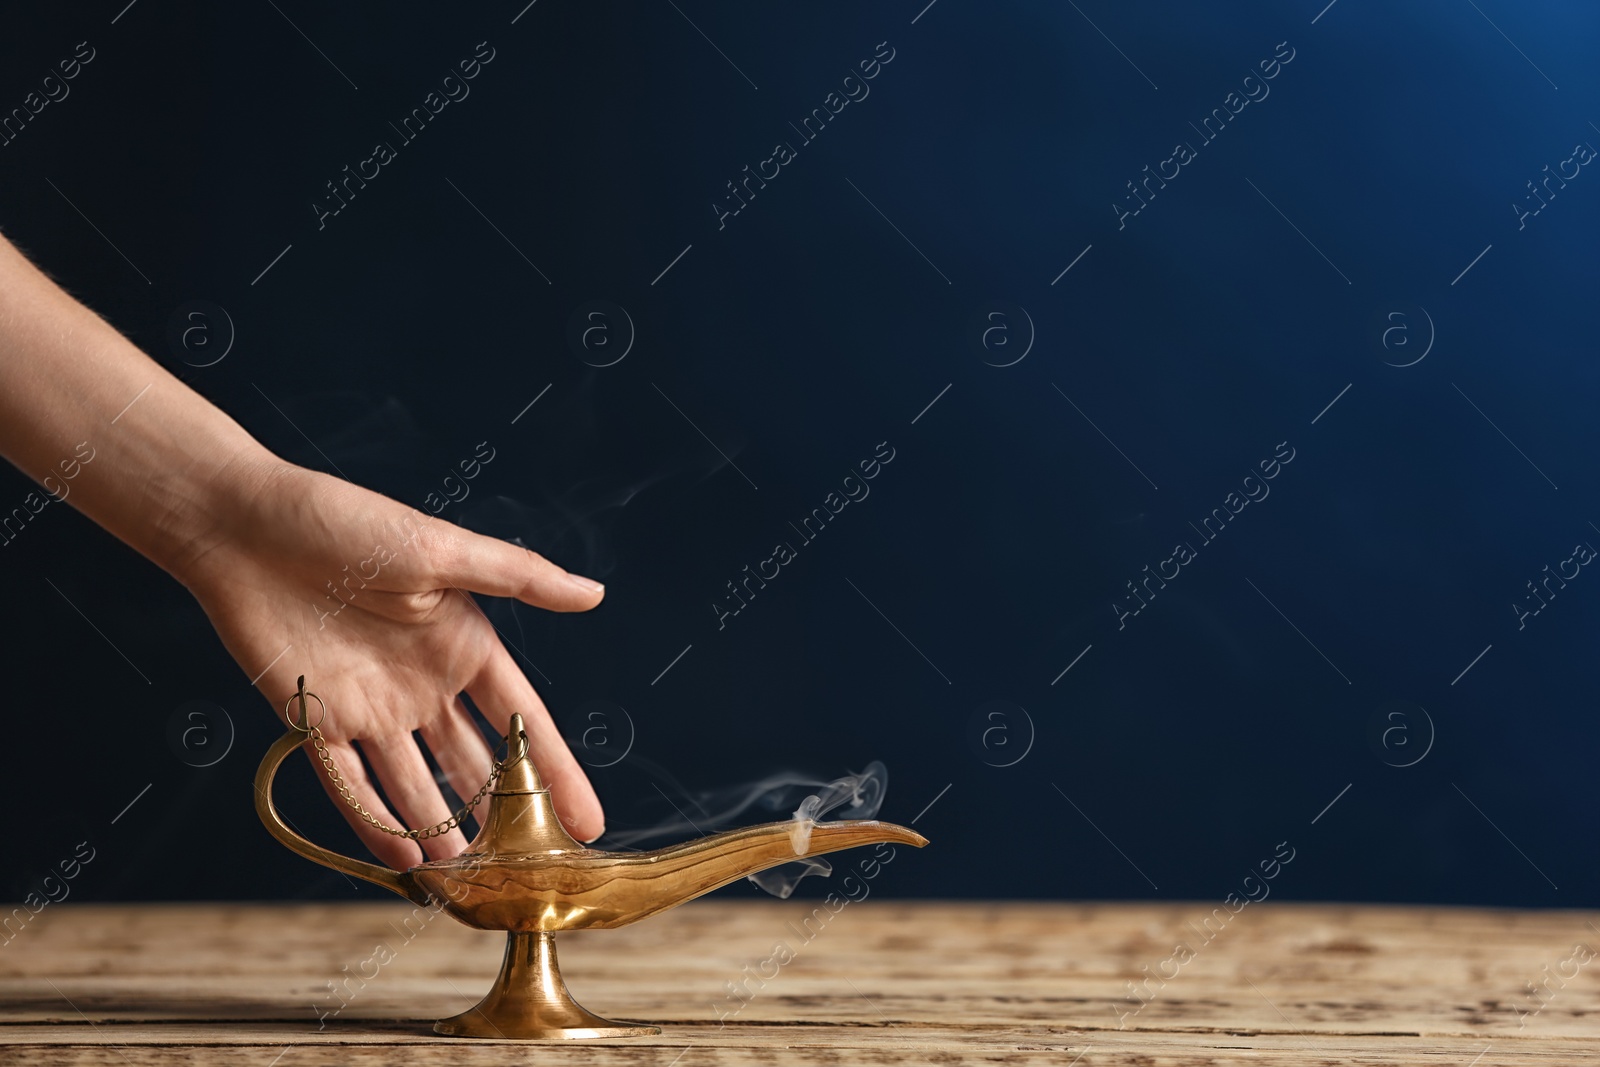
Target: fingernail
{"points": [[588, 585], [596, 837]]}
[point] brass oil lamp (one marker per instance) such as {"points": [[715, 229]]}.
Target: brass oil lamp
{"points": [[524, 874]]}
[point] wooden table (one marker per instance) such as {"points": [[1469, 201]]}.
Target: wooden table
{"points": [[881, 983]]}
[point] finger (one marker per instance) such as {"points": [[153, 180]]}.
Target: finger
{"points": [[397, 852], [398, 763], [501, 689], [460, 751], [498, 568]]}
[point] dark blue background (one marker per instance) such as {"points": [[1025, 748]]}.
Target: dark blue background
{"points": [[807, 331]]}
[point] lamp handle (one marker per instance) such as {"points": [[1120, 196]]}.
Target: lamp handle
{"points": [[394, 881]]}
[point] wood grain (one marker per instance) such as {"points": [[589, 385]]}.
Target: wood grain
{"points": [[876, 982]]}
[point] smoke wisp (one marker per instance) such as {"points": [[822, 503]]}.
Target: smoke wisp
{"points": [[805, 800]]}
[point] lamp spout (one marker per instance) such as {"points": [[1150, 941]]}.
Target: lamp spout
{"points": [[679, 873]]}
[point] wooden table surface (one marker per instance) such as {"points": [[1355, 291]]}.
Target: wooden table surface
{"points": [[881, 983]]}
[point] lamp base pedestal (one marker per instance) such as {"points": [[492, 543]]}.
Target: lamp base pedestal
{"points": [[529, 1001]]}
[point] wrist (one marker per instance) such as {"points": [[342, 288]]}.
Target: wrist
{"points": [[200, 498]]}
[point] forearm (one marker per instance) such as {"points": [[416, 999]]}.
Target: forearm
{"points": [[102, 426]]}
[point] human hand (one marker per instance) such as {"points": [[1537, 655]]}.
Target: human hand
{"points": [[370, 598], [301, 573]]}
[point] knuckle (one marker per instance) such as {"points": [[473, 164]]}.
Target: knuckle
{"points": [[413, 607], [540, 564]]}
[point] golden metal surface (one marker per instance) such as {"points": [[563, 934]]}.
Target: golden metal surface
{"points": [[523, 873], [530, 1001]]}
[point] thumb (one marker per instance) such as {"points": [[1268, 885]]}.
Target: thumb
{"points": [[493, 567]]}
